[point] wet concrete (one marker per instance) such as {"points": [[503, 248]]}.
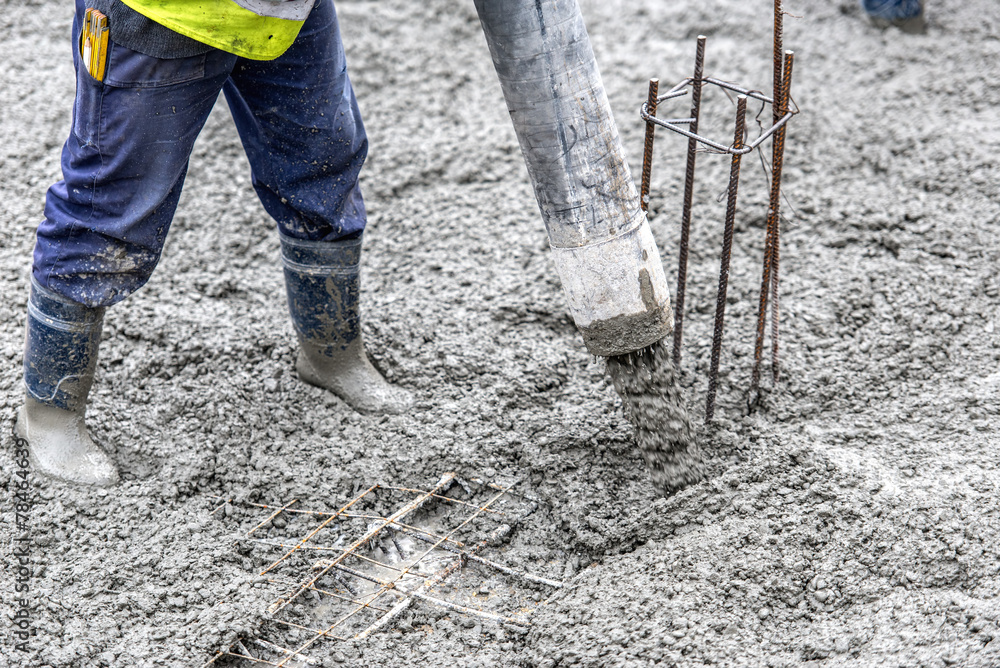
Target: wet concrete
{"points": [[653, 401]]}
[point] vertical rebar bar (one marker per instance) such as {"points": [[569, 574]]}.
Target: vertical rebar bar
{"points": [[773, 222], [775, 308], [768, 282], [647, 149], [727, 247], [776, 58], [699, 62], [770, 240], [765, 286], [779, 140]]}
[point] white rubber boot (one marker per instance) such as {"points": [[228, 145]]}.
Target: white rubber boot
{"points": [[59, 445], [60, 357], [351, 376]]}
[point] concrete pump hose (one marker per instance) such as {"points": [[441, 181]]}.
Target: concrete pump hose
{"points": [[602, 246]]}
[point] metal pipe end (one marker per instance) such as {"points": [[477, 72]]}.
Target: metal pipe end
{"points": [[617, 291]]}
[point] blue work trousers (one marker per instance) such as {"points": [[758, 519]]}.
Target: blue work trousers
{"points": [[127, 154], [893, 10]]}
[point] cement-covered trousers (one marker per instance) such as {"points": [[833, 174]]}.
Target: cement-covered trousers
{"points": [[127, 154]]}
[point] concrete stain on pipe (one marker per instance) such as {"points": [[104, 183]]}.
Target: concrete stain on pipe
{"points": [[601, 243]]}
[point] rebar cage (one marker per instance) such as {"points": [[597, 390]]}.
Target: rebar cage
{"points": [[782, 111]]}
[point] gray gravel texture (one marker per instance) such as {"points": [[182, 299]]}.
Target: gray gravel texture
{"points": [[852, 521]]}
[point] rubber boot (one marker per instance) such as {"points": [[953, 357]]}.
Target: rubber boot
{"points": [[323, 284], [60, 355]]}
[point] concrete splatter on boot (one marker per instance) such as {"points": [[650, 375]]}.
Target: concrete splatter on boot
{"points": [[323, 284], [60, 356]]}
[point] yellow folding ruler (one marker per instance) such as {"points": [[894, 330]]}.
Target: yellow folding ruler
{"points": [[94, 43]]}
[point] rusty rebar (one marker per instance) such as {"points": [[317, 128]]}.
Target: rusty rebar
{"points": [[768, 281], [395, 587], [776, 58], [765, 285], [273, 515], [314, 531], [647, 148], [438, 496], [384, 529], [373, 531], [775, 262], [727, 248], [243, 648], [488, 563], [331, 594], [318, 632], [287, 652], [696, 83], [441, 574], [778, 108], [779, 140]]}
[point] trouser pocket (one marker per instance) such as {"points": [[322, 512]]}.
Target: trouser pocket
{"points": [[87, 106], [128, 69]]}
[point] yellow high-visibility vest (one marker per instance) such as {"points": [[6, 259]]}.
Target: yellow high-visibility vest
{"points": [[255, 29]]}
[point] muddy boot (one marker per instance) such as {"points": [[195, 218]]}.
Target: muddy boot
{"points": [[323, 284], [60, 355]]}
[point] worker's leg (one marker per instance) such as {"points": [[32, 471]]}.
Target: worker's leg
{"points": [[300, 125], [302, 131], [105, 224], [123, 167]]}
